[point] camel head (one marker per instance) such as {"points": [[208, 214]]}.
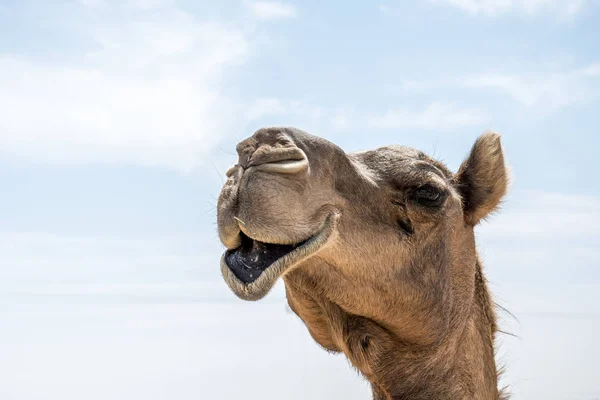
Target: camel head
{"points": [[377, 253], [376, 217]]}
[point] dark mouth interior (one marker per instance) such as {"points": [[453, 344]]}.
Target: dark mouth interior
{"points": [[249, 260]]}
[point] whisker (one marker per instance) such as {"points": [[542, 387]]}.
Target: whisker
{"points": [[218, 172], [207, 211], [228, 152]]}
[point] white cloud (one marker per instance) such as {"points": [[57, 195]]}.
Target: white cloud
{"points": [[592, 70], [563, 8], [139, 4], [91, 3], [274, 107], [149, 93], [28, 257], [549, 91], [544, 91], [343, 119], [265, 107], [438, 116], [271, 10], [182, 351], [149, 4], [303, 114], [546, 215]]}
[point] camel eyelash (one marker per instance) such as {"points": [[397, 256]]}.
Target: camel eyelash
{"points": [[428, 196]]}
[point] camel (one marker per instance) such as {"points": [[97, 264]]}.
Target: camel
{"points": [[377, 253]]}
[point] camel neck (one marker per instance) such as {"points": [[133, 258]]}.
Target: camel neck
{"points": [[461, 368]]}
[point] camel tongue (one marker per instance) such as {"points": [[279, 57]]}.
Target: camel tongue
{"points": [[253, 257], [257, 253]]}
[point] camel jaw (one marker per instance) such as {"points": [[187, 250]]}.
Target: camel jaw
{"points": [[252, 269]]}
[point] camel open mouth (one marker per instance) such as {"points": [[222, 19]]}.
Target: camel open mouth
{"points": [[252, 269], [252, 258]]}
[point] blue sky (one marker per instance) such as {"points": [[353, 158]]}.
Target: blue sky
{"points": [[119, 118]]}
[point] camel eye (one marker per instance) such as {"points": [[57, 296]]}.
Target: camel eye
{"points": [[429, 196]]}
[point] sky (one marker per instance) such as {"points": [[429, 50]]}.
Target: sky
{"points": [[118, 120]]}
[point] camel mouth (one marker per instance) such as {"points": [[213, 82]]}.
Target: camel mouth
{"points": [[252, 269], [253, 257]]}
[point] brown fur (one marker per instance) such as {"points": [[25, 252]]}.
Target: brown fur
{"points": [[397, 285]]}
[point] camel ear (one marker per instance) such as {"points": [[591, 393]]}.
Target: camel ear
{"points": [[482, 179]]}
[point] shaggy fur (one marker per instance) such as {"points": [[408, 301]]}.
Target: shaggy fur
{"points": [[386, 269]]}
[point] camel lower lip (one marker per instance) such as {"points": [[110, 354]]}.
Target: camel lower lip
{"points": [[252, 269]]}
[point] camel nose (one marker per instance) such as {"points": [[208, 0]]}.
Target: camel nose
{"points": [[271, 150]]}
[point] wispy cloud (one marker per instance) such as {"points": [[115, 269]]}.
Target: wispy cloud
{"points": [[139, 4], [549, 91], [265, 107], [435, 116], [343, 119], [546, 215], [271, 10], [271, 107], [592, 70], [544, 91], [562, 8], [148, 92], [438, 116]]}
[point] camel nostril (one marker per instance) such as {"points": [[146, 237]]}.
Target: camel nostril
{"points": [[272, 150]]}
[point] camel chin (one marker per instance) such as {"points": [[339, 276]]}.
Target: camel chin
{"points": [[251, 269]]}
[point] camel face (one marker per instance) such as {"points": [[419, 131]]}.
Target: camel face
{"points": [[278, 207], [295, 199]]}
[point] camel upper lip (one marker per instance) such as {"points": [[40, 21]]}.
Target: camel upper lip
{"points": [[252, 268], [291, 166]]}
